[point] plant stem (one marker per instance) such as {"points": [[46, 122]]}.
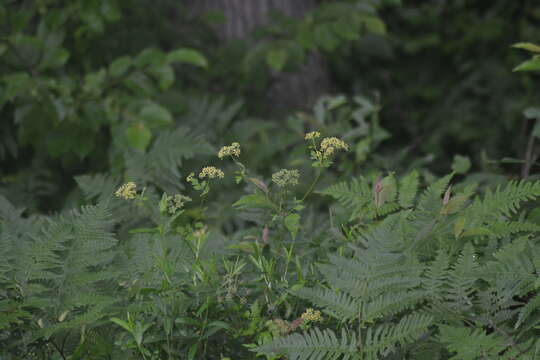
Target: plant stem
{"points": [[319, 173]]}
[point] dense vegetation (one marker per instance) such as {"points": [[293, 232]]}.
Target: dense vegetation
{"points": [[166, 194]]}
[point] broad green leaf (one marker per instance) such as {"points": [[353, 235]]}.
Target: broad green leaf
{"points": [[187, 56], [529, 65], [93, 82], [292, 223], [17, 83], [120, 66], [254, 201], [461, 164], [277, 58], [138, 136], [527, 46], [375, 25], [149, 56], [155, 115], [123, 324], [164, 75]]}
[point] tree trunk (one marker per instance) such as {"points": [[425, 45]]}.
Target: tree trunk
{"points": [[288, 90]]}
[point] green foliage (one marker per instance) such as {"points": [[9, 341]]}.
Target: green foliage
{"points": [[412, 283]]}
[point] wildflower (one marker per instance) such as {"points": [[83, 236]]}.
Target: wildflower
{"points": [[190, 177], [312, 135], [211, 173], [312, 315], [285, 177], [176, 202], [232, 150], [127, 191], [335, 143]]}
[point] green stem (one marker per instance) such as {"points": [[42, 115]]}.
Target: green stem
{"points": [[319, 173]]}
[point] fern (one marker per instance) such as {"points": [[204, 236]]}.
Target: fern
{"points": [[315, 344], [408, 188]]}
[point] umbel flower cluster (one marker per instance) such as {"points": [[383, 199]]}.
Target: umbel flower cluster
{"points": [[323, 153], [211, 172], [232, 150], [176, 202], [127, 191], [285, 177]]}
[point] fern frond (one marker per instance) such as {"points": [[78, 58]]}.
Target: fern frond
{"points": [[337, 304], [408, 187], [471, 344], [503, 201], [314, 344], [391, 303], [461, 279], [381, 340], [435, 278], [431, 198]]}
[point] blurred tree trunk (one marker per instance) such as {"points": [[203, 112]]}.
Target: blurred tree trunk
{"points": [[288, 90]]}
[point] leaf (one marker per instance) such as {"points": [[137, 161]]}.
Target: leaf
{"points": [[260, 184], [149, 56], [459, 225], [375, 25], [187, 56], [277, 58], [138, 136], [164, 75], [254, 201], [155, 115], [461, 164], [120, 66], [527, 46], [292, 223], [123, 324], [529, 65]]}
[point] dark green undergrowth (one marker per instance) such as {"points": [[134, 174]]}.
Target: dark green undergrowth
{"points": [[397, 267]]}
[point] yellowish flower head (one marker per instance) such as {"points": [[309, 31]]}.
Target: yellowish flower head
{"points": [[335, 143], [211, 172], [127, 191], [312, 315], [232, 150], [176, 202], [312, 135], [285, 177], [190, 177]]}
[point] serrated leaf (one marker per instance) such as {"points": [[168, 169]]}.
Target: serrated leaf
{"points": [[254, 201], [138, 136], [187, 56], [292, 223]]}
